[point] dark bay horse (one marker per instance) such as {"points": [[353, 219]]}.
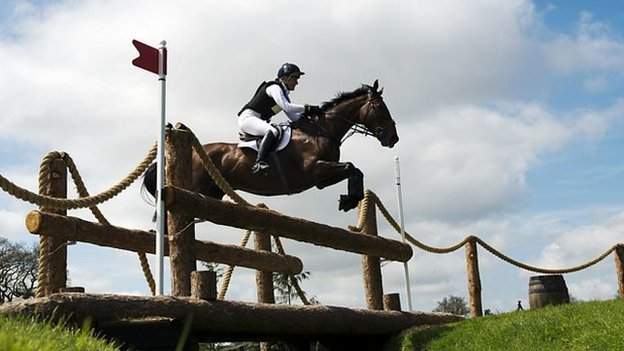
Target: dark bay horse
{"points": [[312, 158]]}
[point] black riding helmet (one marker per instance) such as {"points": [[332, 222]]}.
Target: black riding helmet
{"points": [[288, 68]]}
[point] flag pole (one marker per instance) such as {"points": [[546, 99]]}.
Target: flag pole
{"points": [[397, 174], [160, 175]]}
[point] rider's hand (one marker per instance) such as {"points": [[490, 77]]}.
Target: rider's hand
{"points": [[312, 110]]}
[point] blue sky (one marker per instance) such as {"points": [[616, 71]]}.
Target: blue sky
{"points": [[510, 114]]}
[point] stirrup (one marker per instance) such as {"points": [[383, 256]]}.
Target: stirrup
{"points": [[259, 167]]}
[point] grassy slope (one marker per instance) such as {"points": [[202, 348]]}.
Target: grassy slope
{"points": [[25, 335], [595, 325]]}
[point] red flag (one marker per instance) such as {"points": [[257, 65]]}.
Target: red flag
{"points": [[148, 57]]}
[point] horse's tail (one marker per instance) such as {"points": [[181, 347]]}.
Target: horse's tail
{"points": [[149, 180]]}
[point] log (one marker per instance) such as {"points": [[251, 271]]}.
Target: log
{"points": [[204, 285], [474, 280], [178, 153], [57, 246], [392, 302], [72, 289], [371, 268], [240, 319], [275, 223], [619, 268], [264, 279], [77, 229]]}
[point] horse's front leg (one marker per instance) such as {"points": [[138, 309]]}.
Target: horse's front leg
{"points": [[329, 173]]}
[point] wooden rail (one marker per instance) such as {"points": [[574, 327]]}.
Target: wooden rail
{"points": [[72, 228], [227, 317], [273, 222]]}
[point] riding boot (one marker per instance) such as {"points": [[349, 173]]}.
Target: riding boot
{"points": [[266, 145]]}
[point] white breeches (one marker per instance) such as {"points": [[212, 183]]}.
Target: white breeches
{"points": [[251, 124]]}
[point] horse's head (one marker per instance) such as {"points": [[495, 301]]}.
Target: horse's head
{"points": [[375, 116]]}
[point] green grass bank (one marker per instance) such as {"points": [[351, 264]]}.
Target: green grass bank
{"points": [[597, 325], [23, 334]]}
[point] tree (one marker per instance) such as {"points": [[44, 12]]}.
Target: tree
{"points": [[18, 270], [453, 304], [284, 286]]}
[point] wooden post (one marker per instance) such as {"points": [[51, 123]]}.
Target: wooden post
{"points": [[204, 285], [264, 279], [57, 247], [370, 264], [178, 154], [474, 281], [392, 302], [619, 268]]}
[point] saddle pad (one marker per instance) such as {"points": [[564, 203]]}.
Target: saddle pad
{"points": [[283, 142]]}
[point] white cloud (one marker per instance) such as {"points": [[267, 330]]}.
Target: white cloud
{"points": [[592, 48]]}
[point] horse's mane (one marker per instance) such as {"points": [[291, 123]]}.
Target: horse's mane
{"points": [[344, 96]]}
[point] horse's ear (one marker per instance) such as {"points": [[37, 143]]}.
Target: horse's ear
{"points": [[380, 91], [375, 85]]}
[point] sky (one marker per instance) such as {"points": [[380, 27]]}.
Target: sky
{"points": [[510, 116]]}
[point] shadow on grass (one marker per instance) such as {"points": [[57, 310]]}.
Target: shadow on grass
{"points": [[417, 338]]}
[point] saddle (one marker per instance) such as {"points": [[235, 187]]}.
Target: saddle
{"points": [[253, 141]]}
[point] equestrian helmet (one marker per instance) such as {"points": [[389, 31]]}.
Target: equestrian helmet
{"points": [[288, 68]]}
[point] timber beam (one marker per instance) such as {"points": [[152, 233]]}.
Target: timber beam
{"points": [[236, 320], [275, 223], [76, 229]]}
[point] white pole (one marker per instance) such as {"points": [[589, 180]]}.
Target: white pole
{"points": [[160, 177], [397, 174]]}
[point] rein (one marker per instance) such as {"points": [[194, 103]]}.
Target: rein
{"points": [[356, 128]]}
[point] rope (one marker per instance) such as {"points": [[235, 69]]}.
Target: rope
{"points": [[82, 191], [85, 199], [225, 283], [44, 241], [215, 174], [58, 203], [370, 196]]}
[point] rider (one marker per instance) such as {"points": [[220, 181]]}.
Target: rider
{"points": [[269, 99]]}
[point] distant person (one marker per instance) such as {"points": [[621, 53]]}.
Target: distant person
{"points": [[519, 306], [269, 99]]}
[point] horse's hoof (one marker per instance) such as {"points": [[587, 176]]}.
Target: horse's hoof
{"points": [[347, 203]]}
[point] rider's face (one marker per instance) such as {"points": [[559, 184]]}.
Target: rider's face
{"points": [[291, 81]]}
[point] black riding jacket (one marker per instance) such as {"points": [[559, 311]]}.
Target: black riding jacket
{"points": [[262, 103]]}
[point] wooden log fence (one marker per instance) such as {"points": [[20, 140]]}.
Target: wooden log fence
{"points": [[72, 228], [265, 220], [182, 247]]}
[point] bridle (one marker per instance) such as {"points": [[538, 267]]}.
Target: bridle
{"points": [[373, 103]]}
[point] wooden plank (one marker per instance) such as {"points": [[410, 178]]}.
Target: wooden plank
{"points": [[275, 223], [72, 228]]}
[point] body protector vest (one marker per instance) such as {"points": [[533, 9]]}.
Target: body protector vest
{"points": [[262, 103]]}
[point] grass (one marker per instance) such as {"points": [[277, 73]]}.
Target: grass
{"points": [[597, 325], [22, 334]]}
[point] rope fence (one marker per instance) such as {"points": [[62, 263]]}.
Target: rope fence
{"points": [[371, 199]]}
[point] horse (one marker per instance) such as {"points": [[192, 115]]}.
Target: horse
{"points": [[312, 157]]}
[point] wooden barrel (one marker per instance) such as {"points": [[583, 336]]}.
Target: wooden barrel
{"points": [[547, 290]]}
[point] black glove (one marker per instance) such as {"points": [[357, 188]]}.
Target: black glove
{"points": [[312, 110]]}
